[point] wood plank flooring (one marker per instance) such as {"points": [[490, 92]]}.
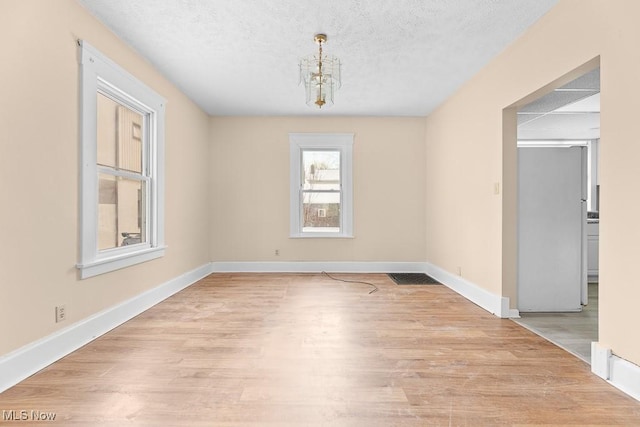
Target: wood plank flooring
{"points": [[302, 349]]}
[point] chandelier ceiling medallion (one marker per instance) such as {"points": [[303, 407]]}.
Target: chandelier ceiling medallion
{"points": [[320, 74]]}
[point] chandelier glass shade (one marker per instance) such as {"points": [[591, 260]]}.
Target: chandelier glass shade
{"points": [[320, 75]]}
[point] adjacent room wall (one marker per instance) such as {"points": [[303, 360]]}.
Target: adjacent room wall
{"points": [[250, 190], [473, 228], [39, 169]]}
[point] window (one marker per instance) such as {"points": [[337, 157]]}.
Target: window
{"points": [[122, 172], [321, 185]]}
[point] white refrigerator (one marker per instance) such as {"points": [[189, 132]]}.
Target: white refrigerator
{"points": [[552, 219]]}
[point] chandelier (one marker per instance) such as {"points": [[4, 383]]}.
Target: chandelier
{"points": [[321, 75]]}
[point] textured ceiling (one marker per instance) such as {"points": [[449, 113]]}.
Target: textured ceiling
{"points": [[570, 112], [240, 57]]}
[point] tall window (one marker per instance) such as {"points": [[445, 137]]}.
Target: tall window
{"points": [[321, 185], [122, 167]]}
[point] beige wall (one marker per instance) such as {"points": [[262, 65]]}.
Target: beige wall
{"points": [[250, 190], [465, 157], [39, 173]]}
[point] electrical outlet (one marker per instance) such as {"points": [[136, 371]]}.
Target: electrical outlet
{"points": [[61, 313], [277, 252]]}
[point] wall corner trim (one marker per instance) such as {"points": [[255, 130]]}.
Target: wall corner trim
{"points": [[495, 304], [617, 371], [26, 361], [600, 360]]}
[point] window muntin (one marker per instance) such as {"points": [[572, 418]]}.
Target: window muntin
{"points": [[122, 167], [321, 185]]}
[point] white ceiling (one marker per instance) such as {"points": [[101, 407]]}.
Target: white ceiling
{"points": [[571, 112], [240, 57]]}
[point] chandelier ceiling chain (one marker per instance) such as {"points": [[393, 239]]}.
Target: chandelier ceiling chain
{"points": [[320, 102], [321, 75]]}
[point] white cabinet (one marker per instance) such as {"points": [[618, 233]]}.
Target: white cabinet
{"points": [[593, 236]]}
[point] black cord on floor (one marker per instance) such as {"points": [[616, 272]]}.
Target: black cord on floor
{"points": [[375, 288]]}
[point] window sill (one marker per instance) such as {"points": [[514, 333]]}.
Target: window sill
{"points": [[105, 265], [321, 236]]}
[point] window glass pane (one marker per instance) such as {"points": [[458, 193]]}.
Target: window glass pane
{"points": [[321, 170], [106, 131], [120, 132], [121, 211], [321, 211]]}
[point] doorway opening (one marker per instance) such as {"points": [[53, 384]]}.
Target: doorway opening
{"points": [[558, 214]]}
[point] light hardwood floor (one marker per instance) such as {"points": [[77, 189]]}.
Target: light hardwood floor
{"points": [[295, 349]]}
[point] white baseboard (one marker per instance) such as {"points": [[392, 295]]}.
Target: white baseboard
{"points": [[26, 361], [316, 267], [618, 372], [495, 304]]}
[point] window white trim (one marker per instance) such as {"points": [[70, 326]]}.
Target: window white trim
{"points": [[99, 73], [342, 142]]}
